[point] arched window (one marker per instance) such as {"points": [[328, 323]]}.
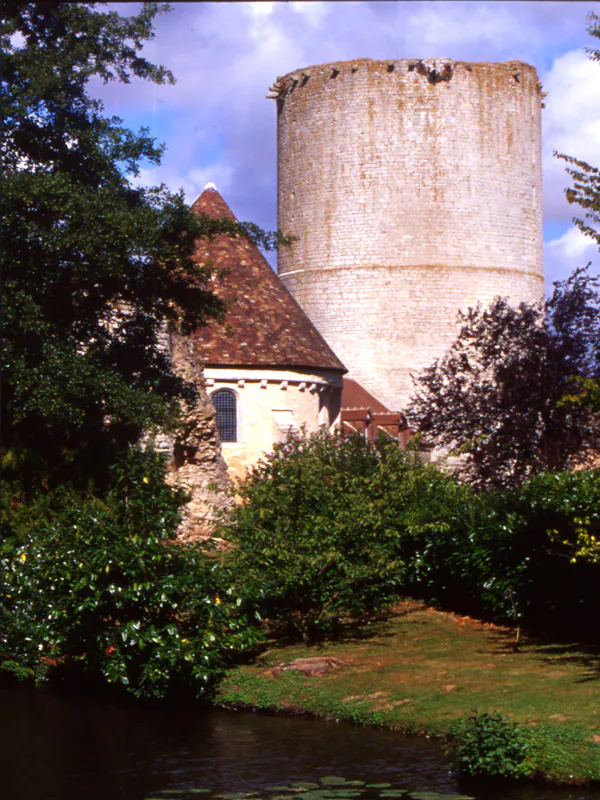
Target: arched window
{"points": [[225, 403]]}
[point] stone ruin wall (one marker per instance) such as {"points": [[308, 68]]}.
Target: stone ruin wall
{"points": [[196, 463], [414, 188]]}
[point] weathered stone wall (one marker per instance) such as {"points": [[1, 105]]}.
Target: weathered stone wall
{"points": [[414, 189], [198, 466]]}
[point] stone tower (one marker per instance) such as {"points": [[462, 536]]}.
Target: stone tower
{"points": [[414, 188]]}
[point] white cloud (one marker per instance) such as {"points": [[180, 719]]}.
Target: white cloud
{"points": [[468, 25], [192, 182], [261, 9], [571, 124], [567, 252], [220, 174], [313, 12], [572, 114]]}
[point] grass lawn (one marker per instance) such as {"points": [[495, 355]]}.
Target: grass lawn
{"points": [[421, 669]]}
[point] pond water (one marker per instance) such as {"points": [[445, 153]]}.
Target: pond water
{"points": [[56, 747]]}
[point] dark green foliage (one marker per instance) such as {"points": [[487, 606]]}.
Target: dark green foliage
{"points": [[99, 592], [94, 270], [451, 559], [94, 267], [317, 533], [553, 519], [80, 243], [467, 557], [330, 526], [566, 507], [490, 745], [523, 556]]}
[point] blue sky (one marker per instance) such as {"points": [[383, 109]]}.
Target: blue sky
{"points": [[218, 126]]}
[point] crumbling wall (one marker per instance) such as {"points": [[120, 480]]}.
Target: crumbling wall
{"points": [[198, 466]]}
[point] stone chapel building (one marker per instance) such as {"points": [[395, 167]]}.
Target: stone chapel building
{"points": [[267, 370], [261, 374]]}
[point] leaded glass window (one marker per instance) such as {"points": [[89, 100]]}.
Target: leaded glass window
{"points": [[225, 403]]}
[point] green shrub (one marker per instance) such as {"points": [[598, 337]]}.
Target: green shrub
{"points": [[556, 525], [462, 557], [319, 532], [99, 591], [490, 745], [525, 556], [565, 506]]}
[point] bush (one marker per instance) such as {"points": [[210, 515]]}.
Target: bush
{"points": [[100, 592], [317, 534], [524, 556], [565, 506], [470, 563], [490, 745], [556, 529]]}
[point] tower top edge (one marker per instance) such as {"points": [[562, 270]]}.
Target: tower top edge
{"points": [[405, 65]]}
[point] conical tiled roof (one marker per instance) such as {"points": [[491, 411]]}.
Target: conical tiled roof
{"points": [[211, 203], [264, 325]]}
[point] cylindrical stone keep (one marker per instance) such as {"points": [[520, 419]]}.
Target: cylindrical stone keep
{"points": [[414, 190]]}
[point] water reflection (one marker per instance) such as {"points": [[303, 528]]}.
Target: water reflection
{"points": [[71, 748]]}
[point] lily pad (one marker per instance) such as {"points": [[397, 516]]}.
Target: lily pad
{"points": [[305, 785], [379, 786], [332, 780]]}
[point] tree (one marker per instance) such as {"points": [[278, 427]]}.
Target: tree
{"points": [[94, 267], [317, 535], [497, 396], [585, 193]]}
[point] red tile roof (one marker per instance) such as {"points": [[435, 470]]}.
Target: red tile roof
{"points": [[211, 203], [264, 325], [356, 396]]}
